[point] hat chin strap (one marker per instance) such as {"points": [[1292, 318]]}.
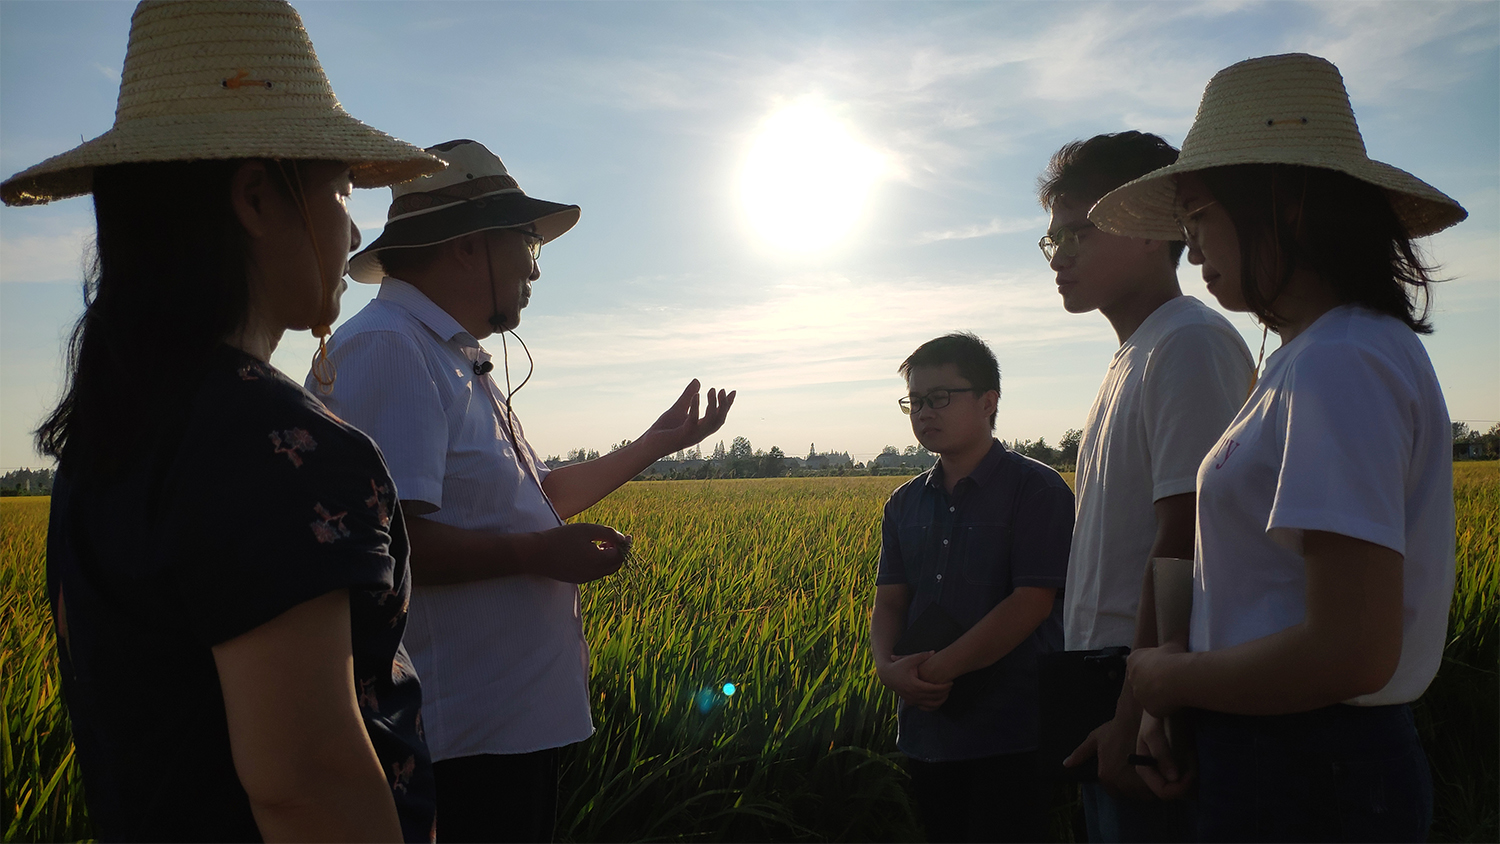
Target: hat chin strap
{"points": [[497, 322], [497, 318]]}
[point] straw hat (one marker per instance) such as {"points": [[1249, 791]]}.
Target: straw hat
{"points": [[220, 80], [474, 194], [1289, 109]]}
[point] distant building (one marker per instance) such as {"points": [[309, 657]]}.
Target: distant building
{"points": [[921, 459], [830, 460], [664, 468]]}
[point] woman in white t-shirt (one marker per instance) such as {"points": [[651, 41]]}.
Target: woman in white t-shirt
{"points": [[1324, 561]]}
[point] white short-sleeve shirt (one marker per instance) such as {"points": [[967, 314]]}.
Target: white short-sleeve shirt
{"points": [[503, 662], [1171, 389], [1348, 433]]}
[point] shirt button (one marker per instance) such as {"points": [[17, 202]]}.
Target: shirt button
{"points": [[951, 509], [945, 542], [940, 578]]}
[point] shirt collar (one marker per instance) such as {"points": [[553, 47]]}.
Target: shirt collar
{"points": [[415, 302], [982, 474]]}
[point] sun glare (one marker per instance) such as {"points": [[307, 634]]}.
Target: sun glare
{"points": [[806, 179]]}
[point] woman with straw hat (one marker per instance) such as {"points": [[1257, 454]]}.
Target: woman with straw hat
{"points": [[1324, 560], [226, 560]]}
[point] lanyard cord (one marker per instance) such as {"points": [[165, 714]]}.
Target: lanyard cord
{"points": [[507, 417]]}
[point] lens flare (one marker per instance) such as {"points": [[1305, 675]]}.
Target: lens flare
{"points": [[729, 690]]}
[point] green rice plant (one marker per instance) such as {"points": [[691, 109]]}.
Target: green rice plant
{"points": [[765, 585], [43, 798], [1457, 716], [734, 695]]}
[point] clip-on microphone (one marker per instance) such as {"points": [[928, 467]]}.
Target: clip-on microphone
{"points": [[497, 322]]}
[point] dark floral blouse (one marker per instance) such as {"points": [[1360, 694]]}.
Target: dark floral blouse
{"points": [[261, 501]]}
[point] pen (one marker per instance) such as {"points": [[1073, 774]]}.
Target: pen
{"points": [[1138, 759]]}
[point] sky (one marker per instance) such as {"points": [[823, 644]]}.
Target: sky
{"points": [[787, 198]]}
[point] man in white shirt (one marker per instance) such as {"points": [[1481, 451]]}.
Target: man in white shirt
{"points": [[495, 630], [1178, 378]]}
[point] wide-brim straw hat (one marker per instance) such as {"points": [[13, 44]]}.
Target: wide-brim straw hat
{"points": [[474, 194], [1288, 109], [222, 79]]}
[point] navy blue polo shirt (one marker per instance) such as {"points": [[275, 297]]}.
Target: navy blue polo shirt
{"points": [[1008, 524]]}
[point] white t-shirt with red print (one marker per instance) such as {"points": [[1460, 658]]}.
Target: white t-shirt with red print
{"points": [[1348, 433]]}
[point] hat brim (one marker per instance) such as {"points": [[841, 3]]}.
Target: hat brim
{"points": [[505, 211], [1147, 206], [375, 159]]}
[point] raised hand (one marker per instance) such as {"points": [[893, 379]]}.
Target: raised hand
{"points": [[681, 426]]}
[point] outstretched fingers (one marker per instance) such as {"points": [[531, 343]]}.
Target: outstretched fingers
{"points": [[719, 403]]}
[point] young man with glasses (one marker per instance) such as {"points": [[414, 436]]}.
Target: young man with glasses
{"points": [[494, 631], [972, 556], [1180, 374]]}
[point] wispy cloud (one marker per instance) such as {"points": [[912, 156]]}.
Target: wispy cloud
{"points": [[993, 227], [1381, 47], [815, 358], [818, 329], [952, 91], [48, 257]]}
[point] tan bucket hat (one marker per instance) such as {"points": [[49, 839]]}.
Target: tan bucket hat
{"points": [[216, 80], [476, 193], [1289, 109]]}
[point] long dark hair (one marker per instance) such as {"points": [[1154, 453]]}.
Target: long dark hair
{"points": [[168, 281], [1340, 227]]}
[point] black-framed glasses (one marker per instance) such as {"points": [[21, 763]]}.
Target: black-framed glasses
{"points": [[534, 243], [1189, 221], [1063, 242], [936, 399]]}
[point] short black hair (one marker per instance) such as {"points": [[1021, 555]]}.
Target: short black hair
{"points": [[975, 362], [406, 261], [1082, 172]]}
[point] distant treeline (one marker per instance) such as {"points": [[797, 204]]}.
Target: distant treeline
{"points": [[26, 482], [742, 460]]}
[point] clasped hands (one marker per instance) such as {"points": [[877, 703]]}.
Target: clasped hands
{"points": [[918, 679]]}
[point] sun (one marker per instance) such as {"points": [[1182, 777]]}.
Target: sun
{"points": [[806, 179]]}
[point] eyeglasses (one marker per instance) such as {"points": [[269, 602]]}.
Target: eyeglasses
{"points": [[937, 399], [1189, 221], [1064, 242], [534, 243]]}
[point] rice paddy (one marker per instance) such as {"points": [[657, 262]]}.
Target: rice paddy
{"points": [[733, 695]]}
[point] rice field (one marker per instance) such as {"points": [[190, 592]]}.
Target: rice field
{"points": [[734, 699]]}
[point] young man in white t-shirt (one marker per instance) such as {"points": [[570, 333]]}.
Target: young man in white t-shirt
{"points": [[1178, 378]]}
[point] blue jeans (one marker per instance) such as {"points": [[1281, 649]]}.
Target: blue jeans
{"points": [[1120, 820], [1341, 773]]}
